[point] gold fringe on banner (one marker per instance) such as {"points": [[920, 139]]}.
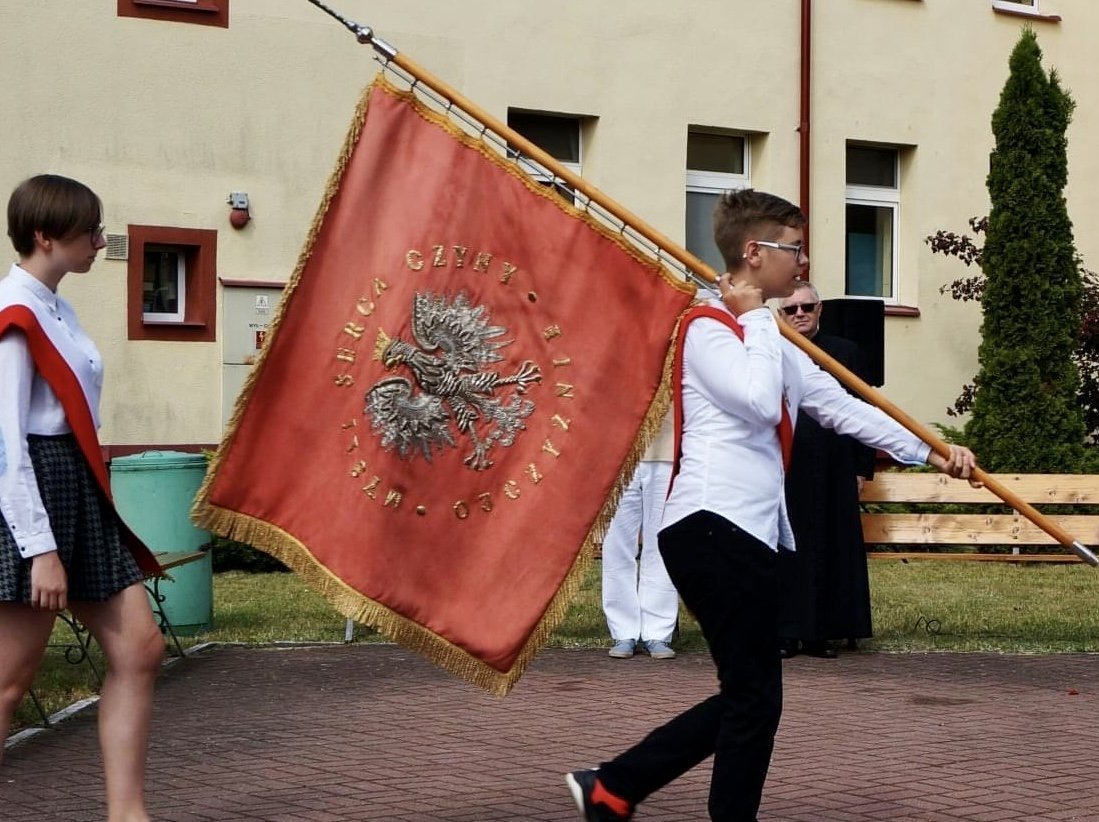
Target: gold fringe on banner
{"points": [[350, 603], [201, 506], [274, 541]]}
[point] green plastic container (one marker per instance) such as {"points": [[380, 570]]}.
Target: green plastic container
{"points": [[153, 492]]}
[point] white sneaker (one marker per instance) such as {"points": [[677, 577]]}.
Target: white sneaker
{"points": [[623, 649], [658, 649]]}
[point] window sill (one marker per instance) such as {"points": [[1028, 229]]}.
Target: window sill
{"points": [[174, 323], [1029, 15], [201, 6], [199, 13], [901, 311], [228, 283]]}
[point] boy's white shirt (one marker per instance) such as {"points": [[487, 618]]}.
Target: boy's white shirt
{"points": [[731, 462]]}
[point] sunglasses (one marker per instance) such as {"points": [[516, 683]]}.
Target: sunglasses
{"points": [[806, 308]]}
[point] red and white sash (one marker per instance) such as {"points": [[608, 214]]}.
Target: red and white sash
{"points": [[57, 373], [785, 425]]}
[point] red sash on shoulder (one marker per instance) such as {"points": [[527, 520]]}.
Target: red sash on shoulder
{"points": [[785, 426], [60, 377]]}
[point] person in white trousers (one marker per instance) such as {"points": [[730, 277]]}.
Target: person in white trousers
{"points": [[639, 601]]}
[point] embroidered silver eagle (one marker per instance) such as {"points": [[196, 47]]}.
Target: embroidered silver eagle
{"points": [[453, 341]]}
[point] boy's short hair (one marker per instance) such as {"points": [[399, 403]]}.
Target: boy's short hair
{"points": [[746, 215], [57, 206]]}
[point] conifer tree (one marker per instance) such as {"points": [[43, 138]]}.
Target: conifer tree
{"points": [[1026, 415]]}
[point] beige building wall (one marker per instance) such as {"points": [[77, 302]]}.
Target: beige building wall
{"points": [[165, 119]]}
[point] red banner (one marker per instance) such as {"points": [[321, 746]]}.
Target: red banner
{"points": [[462, 375]]}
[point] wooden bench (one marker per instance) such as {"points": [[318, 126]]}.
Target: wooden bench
{"points": [[971, 533]]}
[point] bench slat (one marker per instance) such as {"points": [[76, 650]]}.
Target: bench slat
{"points": [[970, 556], [968, 529], [173, 559], [909, 486]]}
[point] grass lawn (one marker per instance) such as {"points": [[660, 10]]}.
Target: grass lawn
{"points": [[917, 606]]}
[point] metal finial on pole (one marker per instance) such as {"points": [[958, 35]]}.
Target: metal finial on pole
{"points": [[1085, 553], [364, 34]]}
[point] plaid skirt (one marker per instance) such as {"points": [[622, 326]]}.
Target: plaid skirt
{"points": [[83, 524]]}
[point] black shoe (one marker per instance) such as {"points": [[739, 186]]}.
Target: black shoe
{"points": [[788, 648], [820, 649], [596, 803]]}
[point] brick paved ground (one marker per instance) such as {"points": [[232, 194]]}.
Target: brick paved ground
{"points": [[371, 732]]}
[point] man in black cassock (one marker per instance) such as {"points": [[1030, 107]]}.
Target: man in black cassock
{"points": [[824, 584]]}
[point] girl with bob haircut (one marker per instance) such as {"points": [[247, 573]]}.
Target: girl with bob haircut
{"points": [[62, 544]]}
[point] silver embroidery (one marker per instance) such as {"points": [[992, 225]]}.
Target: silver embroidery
{"points": [[453, 340]]}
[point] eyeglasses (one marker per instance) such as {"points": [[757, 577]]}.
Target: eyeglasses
{"points": [[96, 232], [797, 249], [805, 308]]}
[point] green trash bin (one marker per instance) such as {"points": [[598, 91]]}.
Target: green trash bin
{"points": [[153, 492]]}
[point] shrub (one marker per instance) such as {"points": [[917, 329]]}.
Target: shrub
{"points": [[236, 556], [1026, 415]]}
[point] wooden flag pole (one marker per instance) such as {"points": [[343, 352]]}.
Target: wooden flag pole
{"points": [[365, 36]]}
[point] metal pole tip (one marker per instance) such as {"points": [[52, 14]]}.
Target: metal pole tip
{"points": [[1085, 554]]}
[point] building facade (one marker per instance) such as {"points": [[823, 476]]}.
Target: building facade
{"points": [[210, 128]]}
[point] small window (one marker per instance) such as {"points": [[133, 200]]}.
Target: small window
{"points": [[873, 205], [200, 12], [558, 136], [172, 284], [869, 166], [720, 153], [717, 161], [164, 287]]}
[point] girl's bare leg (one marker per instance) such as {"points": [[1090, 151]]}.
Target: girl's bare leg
{"points": [[125, 629], [24, 633]]}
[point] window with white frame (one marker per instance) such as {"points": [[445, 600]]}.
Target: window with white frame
{"points": [[873, 200], [1025, 6], [558, 136], [164, 285], [717, 161], [171, 283]]}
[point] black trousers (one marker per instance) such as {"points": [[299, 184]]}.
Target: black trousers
{"points": [[727, 579]]}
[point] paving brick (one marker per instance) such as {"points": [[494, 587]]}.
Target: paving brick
{"points": [[372, 732]]}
